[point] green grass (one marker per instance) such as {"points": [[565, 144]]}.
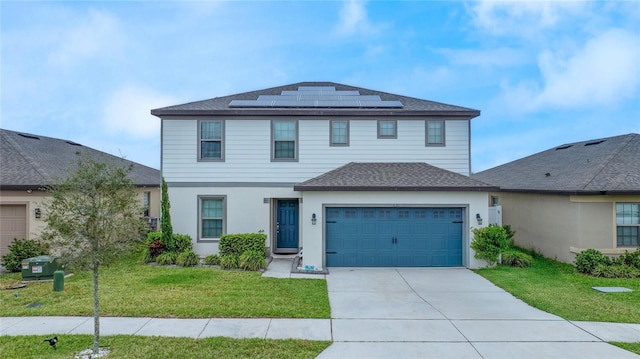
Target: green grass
{"points": [[131, 289], [558, 289], [127, 346], [632, 347]]}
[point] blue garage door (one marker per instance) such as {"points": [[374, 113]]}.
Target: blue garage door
{"points": [[393, 237]]}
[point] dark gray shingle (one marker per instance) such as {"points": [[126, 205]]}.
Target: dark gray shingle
{"points": [[32, 161], [603, 166], [410, 106], [395, 176]]}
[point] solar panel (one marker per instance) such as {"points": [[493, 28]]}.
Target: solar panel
{"points": [[318, 96]]}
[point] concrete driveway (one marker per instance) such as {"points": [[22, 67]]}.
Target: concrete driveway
{"points": [[445, 313]]}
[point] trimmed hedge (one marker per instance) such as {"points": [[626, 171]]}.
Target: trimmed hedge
{"points": [[236, 244]]}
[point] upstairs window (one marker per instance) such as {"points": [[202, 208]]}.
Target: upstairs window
{"points": [[435, 133], [339, 133], [211, 140], [387, 129], [284, 135], [627, 224]]}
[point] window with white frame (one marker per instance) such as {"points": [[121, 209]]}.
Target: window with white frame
{"points": [[627, 224], [339, 133], [284, 135], [210, 136], [212, 215], [435, 132], [387, 129]]}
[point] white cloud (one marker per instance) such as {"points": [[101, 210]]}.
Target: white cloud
{"points": [[353, 18], [605, 71], [97, 35], [524, 18], [127, 111]]}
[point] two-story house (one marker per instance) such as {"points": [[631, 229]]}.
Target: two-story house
{"points": [[356, 177]]}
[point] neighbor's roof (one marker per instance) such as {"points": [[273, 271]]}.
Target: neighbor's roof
{"points": [[602, 166], [317, 99], [30, 161], [394, 176]]}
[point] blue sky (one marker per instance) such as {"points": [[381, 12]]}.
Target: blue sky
{"points": [[541, 73]]}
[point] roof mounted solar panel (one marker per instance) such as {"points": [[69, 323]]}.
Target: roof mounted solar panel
{"points": [[316, 88]]}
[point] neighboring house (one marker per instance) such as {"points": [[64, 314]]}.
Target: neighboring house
{"points": [[357, 177], [29, 163], [573, 197]]}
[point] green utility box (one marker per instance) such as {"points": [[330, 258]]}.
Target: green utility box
{"points": [[38, 268]]}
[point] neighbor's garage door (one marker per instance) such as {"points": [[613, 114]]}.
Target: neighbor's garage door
{"points": [[393, 237], [13, 224]]}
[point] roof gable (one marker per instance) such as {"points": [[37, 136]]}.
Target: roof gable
{"points": [[602, 166], [33, 161], [316, 99], [393, 176]]}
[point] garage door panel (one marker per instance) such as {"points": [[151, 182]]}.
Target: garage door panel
{"points": [[402, 236]]}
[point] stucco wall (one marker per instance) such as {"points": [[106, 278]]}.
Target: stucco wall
{"points": [[37, 199], [313, 236], [559, 225]]}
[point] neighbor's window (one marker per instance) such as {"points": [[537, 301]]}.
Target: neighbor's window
{"points": [[435, 133], [211, 217], [627, 224], [284, 136], [146, 202], [387, 129], [339, 133], [211, 140]]}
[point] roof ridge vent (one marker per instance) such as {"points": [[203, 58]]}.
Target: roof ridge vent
{"points": [[594, 143], [73, 143], [26, 135], [563, 147]]}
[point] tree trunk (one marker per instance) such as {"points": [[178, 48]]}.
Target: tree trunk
{"points": [[96, 312]]}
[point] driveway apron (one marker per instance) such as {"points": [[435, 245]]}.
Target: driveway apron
{"points": [[445, 313]]}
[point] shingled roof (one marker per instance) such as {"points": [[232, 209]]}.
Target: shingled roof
{"points": [[245, 104], [30, 161], [394, 176], [603, 166]]}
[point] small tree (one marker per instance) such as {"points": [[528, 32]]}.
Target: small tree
{"points": [[165, 226], [92, 218]]}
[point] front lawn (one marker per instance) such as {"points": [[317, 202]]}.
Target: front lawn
{"points": [[131, 289], [558, 289], [126, 346]]}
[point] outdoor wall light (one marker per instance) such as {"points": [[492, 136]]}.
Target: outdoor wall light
{"points": [[37, 213], [313, 219], [479, 219]]}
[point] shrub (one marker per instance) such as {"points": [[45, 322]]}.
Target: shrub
{"points": [[182, 243], [167, 258], [21, 249], [589, 259], [615, 271], [187, 259], [509, 232], [631, 259], [212, 260], [489, 242], [229, 261], [236, 244], [155, 249], [515, 258], [154, 236], [146, 256], [252, 260]]}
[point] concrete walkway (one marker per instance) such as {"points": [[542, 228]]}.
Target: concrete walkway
{"points": [[388, 312]]}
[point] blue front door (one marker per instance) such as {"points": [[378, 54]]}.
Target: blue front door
{"points": [[287, 226]]}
